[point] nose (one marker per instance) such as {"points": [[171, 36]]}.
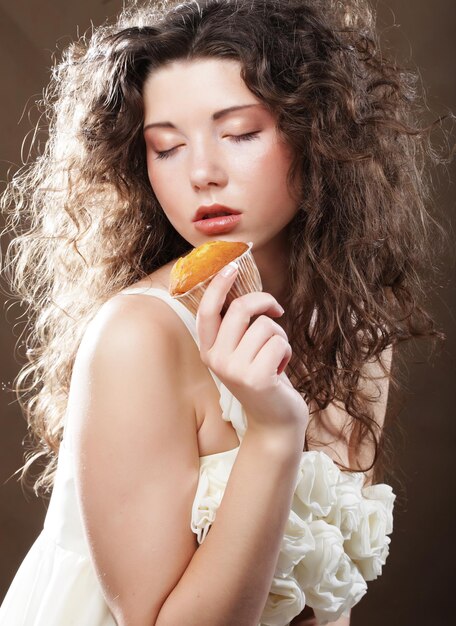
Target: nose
{"points": [[207, 169]]}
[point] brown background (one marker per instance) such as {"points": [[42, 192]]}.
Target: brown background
{"points": [[416, 586]]}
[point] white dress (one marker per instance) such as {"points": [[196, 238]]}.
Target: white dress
{"points": [[335, 540]]}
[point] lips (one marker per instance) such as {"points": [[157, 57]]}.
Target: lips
{"points": [[214, 210], [217, 225]]}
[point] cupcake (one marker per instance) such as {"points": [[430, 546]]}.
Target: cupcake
{"points": [[191, 274]]}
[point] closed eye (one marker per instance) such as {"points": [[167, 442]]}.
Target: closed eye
{"points": [[246, 137], [166, 153], [236, 138]]}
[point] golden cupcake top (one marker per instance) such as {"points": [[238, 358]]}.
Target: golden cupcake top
{"points": [[202, 263]]}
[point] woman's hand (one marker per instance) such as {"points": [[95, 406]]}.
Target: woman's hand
{"points": [[250, 359]]}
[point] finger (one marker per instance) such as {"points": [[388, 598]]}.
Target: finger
{"points": [[255, 338], [208, 318], [267, 362], [237, 318], [286, 359]]}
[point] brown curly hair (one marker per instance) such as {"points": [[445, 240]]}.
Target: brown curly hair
{"points": [[87, 223]]}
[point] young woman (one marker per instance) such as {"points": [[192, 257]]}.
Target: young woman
{"points": [[191, 482]]}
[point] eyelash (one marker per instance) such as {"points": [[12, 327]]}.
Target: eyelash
{"points": [[237, 138]]}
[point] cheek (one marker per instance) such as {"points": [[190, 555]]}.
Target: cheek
{"points": [[278, 157], [280, 160], [253, 168], [270, 169]]}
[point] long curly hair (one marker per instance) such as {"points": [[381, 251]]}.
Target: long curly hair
{"points": [[87, 224]]}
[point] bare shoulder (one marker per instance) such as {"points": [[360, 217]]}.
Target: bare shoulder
{"points": [[133, 317], [129, 345], [141, 312]]}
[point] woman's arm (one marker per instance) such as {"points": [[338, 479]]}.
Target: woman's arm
{"points": [[230, 575], [137, 472]]}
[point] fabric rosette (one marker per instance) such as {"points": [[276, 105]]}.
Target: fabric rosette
{"points": [[335, 538], [368, 544], [350, 525], [296, 543], [285, 600], [346, 511], [331, 582], [315, 490]]}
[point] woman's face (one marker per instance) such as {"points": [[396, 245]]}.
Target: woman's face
{"points": [[197, 156]]}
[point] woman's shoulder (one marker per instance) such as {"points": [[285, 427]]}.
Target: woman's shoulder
{"points": [[132, 345], [133, 317]]}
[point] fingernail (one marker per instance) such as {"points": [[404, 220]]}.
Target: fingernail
{"points": [[229, 269]]}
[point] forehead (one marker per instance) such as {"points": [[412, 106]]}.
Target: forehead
{"points": [[210, 83]]}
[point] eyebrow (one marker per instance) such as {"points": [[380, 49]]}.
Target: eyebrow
{"points": [[216, 116]]}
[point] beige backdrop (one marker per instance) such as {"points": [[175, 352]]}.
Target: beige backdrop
{"points": [[415, 588]]}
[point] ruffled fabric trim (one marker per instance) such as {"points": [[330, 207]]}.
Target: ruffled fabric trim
{"points": [[214, 473], [335, 539]]}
